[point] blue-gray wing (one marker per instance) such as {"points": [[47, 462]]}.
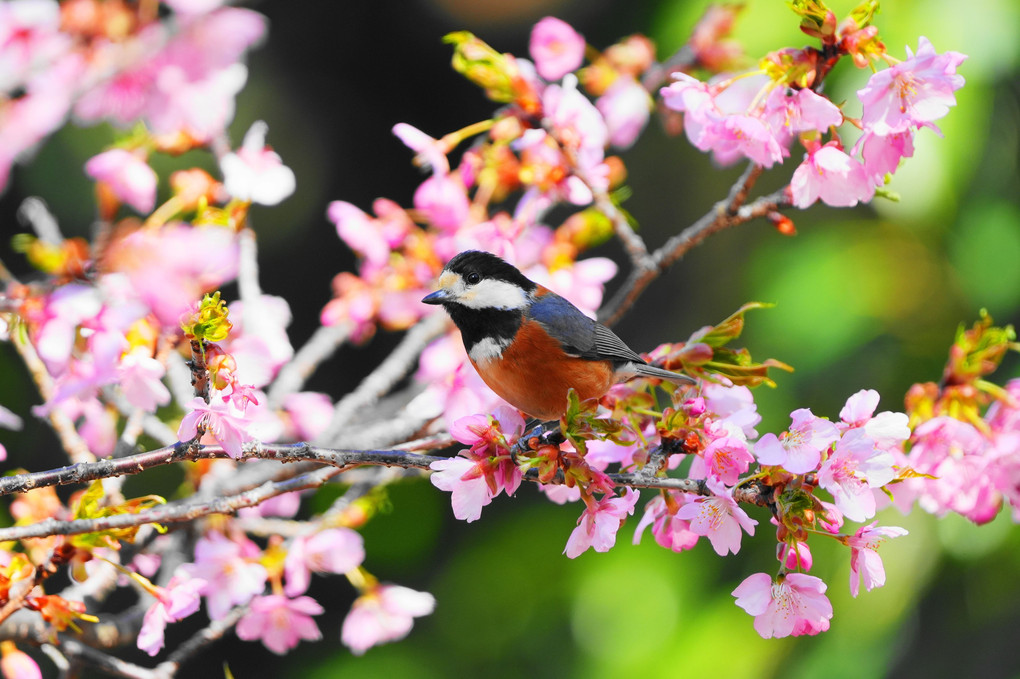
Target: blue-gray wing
{"points": [[578, 334]]}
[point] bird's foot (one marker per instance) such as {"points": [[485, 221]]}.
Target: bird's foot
{"points": [[534, 439]]}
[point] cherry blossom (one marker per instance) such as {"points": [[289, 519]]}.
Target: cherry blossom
{"points": [[800, 449], [830, 175], [179, 599], [794, 604], [626, 107], [225, 421], [128, 176], [556, 48], [912, 93], [865, 563], [230, 574], [719, 518], [384, 613], [669, 531], [854, 468], [333, 550], [280, 623], [598, 524], [255, 172]]}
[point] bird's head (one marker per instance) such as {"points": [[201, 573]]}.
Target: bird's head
{"points": [[482, 281]]}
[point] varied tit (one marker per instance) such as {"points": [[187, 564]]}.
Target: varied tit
{"points": [[529, 344]]}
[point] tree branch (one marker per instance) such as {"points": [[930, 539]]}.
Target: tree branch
{"points": [[393, 369], [322, 344], [726, 213], [338, 461]]}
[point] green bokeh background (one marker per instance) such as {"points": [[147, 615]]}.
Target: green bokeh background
{"points": [[865, 298]]}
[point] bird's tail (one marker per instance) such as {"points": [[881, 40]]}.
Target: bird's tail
{"points": [[645, 370]]}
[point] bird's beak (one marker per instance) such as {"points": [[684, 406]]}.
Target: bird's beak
{"points": [[438, 297]]}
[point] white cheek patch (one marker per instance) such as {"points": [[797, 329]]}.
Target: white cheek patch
{"points": [[488, 349], [491, 294]]}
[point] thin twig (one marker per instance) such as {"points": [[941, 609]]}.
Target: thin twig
{"points": [[72, 442], [212, 632], [393, 369], [174, 512], [292, 376], [110, 665], [726, 213], [338, 461]]}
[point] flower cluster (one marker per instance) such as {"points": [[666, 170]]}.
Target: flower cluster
{"points": [[114, 326], [121, 64], [758, 115]]}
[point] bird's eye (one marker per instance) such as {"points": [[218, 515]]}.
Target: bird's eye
{"points": [[473, 278]]}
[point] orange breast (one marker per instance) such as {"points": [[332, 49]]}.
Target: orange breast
{"points": [[534, 374]]}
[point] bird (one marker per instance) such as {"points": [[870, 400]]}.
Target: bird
{"points": [[530, 345]]}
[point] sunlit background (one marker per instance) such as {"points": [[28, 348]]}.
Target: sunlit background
{"points": [[865, 298]]}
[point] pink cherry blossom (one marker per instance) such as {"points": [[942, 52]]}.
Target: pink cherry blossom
{"points": [[732, 405], [258, 340], [882, 153], [578, 126], [726, 457], [463, 479], [141, 381], [720, 121], [16, 664], [800, 449], [598, 524], [719, 518], [176, 601], [359, 231], [488, 467], [280, 623], [232, 576], [796, 557], [913, 93], [789, 112], [493, 436], [333, 550], [737, 135], [959, 456], [170, 268], [128, 176], [556, 48], [830, 175], [689, 95], [886, 428], [227, 423], [255, 172], [669, 531], [795, 604], [307, 414], [30, 41], [383, 614], [854, 468], [431, 153], [865, 563], [626, 107], [444, 202]]}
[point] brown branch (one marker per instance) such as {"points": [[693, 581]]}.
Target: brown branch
{"points": [[386, 376], [726, 213], [320, 346], [211, 633], [62, 424], [337, 461], [111, 666]]}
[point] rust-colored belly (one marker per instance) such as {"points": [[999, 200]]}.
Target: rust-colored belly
{"points": [[534, 375]]}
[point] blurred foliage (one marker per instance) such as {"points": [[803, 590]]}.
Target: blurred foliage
{"points": [[867, 297]]}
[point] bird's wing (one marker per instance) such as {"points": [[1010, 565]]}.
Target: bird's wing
{"points": [[578, 334]]}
